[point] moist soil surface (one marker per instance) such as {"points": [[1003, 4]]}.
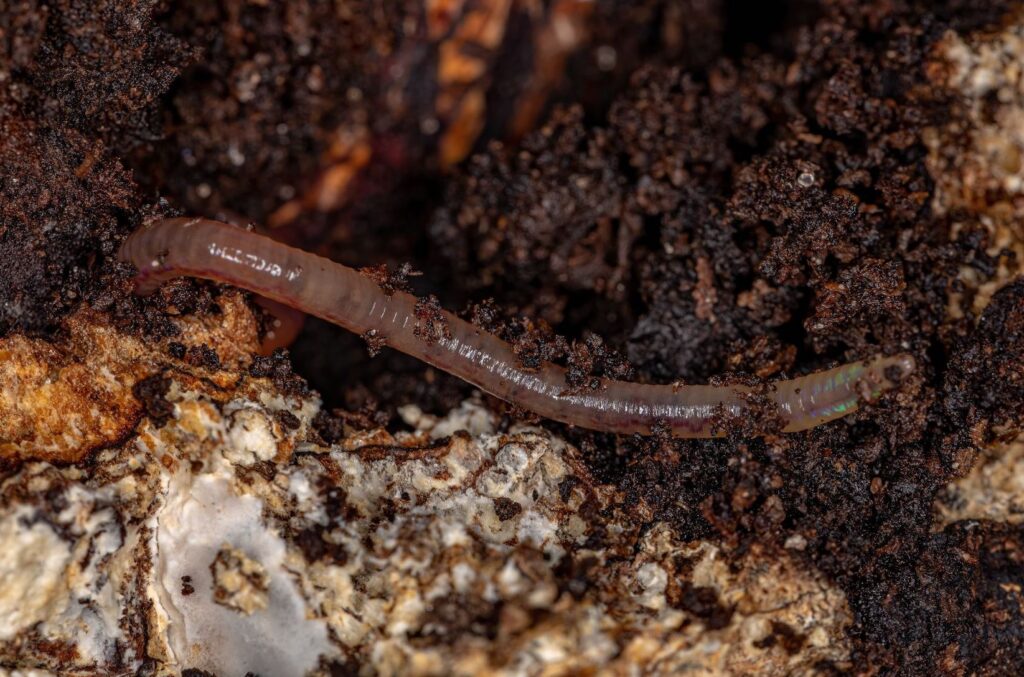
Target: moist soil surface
{"points": [[711, 192]]}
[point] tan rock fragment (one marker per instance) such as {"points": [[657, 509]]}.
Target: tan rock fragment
{"points": [[240, 582], [62, 400]]}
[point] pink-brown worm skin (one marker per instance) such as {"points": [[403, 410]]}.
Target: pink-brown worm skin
{"points": [[215, 251]]}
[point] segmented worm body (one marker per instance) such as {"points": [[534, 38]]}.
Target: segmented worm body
{"points": [[202, 248]]}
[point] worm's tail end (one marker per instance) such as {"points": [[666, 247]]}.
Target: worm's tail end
{"points": [[825, 396]]}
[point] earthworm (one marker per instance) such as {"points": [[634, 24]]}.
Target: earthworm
{"points": [[215, 251], [286, 324]]}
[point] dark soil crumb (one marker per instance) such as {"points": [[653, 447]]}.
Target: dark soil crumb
{"points": [[431, 324], [590, 360], [331, 428], [375, 342], [314, 541], [287, 419], [315, 547], [152, 392], [389, 280], [203, 356], [278, 368], [333, 425], [783, 635], [340, 668], [458, 615], [176, 350], [702, 602], [506, 508]]}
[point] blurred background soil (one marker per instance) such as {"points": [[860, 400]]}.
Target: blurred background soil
{"points": [[667, 189]]}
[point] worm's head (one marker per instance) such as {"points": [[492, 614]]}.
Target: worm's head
{"points": [[899, 367], [885, 373]]}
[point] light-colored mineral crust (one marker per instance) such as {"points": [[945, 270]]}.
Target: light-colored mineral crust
{"points": [[223, 540], [993, 490], [32, 564]]}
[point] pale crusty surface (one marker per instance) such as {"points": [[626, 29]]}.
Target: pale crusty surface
{"points": [[228, 538], [993, 490], [225, 536]]}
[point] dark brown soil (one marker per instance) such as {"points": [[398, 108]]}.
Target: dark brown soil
{"points": [[743, 190]]}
